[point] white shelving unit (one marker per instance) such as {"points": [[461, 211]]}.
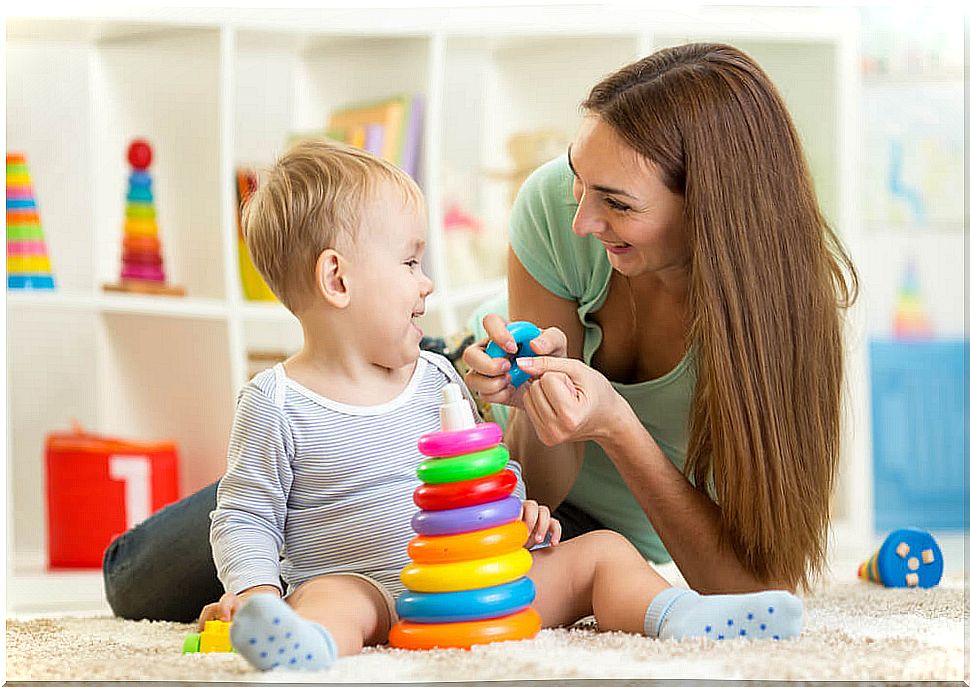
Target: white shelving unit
{"points": [[216, 89]]}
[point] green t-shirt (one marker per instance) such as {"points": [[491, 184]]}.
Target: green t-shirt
{"points": [[577, 268]]}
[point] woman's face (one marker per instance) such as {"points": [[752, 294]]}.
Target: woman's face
{"points": [[624, 204]]}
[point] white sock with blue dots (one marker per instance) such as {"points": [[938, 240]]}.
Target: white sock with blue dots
{"points": [[680, 613], [269, 634]]}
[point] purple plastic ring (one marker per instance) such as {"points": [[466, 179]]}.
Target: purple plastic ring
{"points": [[467, 519]]}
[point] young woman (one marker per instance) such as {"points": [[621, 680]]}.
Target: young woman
{"points": [[690, 294]]}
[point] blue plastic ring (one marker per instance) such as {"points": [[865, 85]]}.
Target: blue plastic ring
{"points": [[467, 519], [20, 204], [30, 281], [523, 333], [139, 195], [472, 604], [140, 180]]}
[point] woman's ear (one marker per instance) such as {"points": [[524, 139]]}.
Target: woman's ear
{"points": [[330, 278]]}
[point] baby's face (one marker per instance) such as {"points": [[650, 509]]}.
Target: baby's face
{"points": [[389, 286]]}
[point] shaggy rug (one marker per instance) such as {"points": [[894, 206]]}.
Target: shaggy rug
{"points": [[853, 631]]}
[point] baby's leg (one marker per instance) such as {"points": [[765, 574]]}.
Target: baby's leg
{"points": [[596, 573], [601, 573], [329, 616]]}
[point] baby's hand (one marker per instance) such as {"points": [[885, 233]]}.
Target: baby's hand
{"points": [[540, 522], [225, 608]]}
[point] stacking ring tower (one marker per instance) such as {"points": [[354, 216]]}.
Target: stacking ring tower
{"points": [[466, 581], [142, 270], [28, 266]]}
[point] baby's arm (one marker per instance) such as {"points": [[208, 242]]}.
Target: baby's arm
{"points": [[247, 525]]}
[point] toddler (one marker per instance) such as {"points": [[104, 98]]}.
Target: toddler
{"points": [[323, 451]]}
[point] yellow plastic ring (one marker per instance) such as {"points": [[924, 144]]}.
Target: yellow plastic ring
{"points": [[474, 574], [31, 264], [141, 227], [452, 548], [522, 625]]}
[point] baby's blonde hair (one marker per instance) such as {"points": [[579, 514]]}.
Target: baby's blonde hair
{"points": [[312, 199]]}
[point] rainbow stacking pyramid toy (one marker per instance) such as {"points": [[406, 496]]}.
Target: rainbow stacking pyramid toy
{"points": [[910, 320], [28, 266], [141, 259], [467, 576]]}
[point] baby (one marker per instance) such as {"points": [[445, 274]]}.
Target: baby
{"points": [[323, 451]]}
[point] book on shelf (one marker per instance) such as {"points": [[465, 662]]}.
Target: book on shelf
{"points": [[254, 287], [391, 129]]}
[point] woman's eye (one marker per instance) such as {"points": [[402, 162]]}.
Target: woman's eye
{"points": [[411, 263], [616, 205]]}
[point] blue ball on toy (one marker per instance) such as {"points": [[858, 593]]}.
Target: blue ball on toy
{"points": [[523, 333]]}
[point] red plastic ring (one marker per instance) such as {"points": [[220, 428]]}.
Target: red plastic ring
{"points": [[470, 492]]}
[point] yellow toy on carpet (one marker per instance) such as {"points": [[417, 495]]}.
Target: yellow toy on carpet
{"points": [[214, 638]]}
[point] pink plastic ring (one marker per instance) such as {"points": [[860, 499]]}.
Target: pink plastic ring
{"points": [[459, 442], [146, 273], [26, 247]]}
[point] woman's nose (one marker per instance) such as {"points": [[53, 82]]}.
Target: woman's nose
{"points": [[586, 222]]}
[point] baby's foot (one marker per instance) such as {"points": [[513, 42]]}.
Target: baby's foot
{"points": [[269, 634], [679, 613]]}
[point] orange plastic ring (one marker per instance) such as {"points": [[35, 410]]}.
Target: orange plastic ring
{"points": [[522, 625], [464, 547], [142, 243]]}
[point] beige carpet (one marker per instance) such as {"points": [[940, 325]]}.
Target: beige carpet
{"points": [[853, 631]]}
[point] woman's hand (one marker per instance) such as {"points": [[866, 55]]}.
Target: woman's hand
{"points": [[568, 401], [540, 523], [489, 377], [225, 608]]}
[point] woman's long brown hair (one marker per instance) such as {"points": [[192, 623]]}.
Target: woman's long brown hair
{"points": [[769, 279]]}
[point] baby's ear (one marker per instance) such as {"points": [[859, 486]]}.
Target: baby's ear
{"points": [[330, 278]]}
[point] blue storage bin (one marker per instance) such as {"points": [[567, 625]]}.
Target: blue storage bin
{"points": [[918, 433]]}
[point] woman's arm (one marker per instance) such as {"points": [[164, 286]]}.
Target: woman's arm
{"points": [[570, 402]]}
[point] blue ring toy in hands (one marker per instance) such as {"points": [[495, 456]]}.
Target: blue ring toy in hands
{"points": [[523, 333]]}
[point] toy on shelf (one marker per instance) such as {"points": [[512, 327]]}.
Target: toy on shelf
{"points": [[910, 320], [466, 581], [907, 558], [254, 286], [523, 333], [98, 487], [28, 266], [214, 638], [141, 259]]}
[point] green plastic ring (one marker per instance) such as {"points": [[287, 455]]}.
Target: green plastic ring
{"points": [[25, 232], [460, 468], [140, 211]]}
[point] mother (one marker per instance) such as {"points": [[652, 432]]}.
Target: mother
{"points": [[690, 293]]}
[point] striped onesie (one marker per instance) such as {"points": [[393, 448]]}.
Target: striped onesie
{"points": [[322, 485]]}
